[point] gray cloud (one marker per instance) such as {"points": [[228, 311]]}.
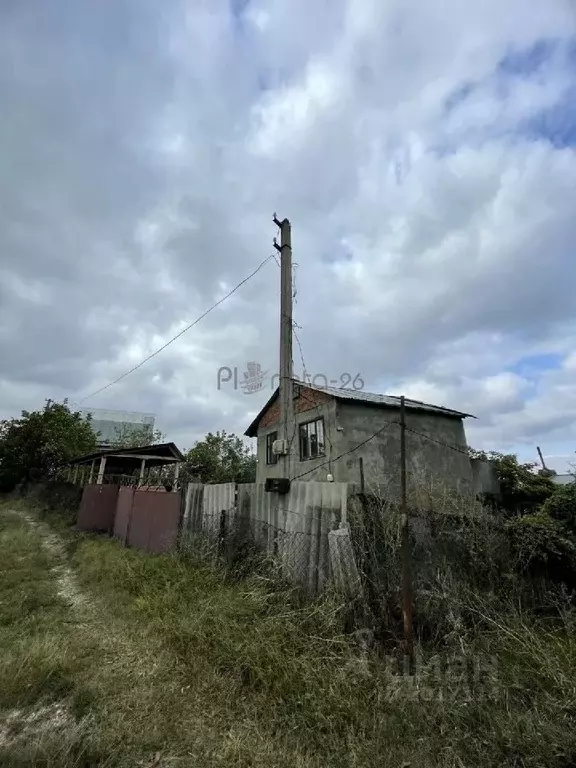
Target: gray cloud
{"points": [[145, 146]]}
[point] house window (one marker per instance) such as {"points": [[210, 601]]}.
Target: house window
{"points": [[312, 439], [271, 458]]}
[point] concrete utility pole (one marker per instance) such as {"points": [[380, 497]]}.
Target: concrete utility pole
{"points": [[287, 427], [544, 467], [405, 546]]}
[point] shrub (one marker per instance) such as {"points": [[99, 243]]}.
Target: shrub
{"points": [[561, 505]]}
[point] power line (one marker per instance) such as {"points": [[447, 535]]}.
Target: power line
{"points": [[181, 333], [439, 442], [386, 425], [326, 432]]}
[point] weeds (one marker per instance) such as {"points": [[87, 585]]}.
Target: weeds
{"points": [[180, 665]]}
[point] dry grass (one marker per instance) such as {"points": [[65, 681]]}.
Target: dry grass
{"points": [[168, 663]]}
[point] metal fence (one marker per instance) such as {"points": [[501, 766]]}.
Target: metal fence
{"points": [[147, 520], [97, 508], [233, 521]]}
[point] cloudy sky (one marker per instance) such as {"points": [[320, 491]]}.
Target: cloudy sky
{"points": [[425, 153]]}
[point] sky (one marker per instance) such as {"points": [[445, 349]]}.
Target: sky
{"points": [[424, 152]]}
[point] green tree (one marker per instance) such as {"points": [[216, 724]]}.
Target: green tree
{"points": [[522, 488], [35, 445], [220, 458]]}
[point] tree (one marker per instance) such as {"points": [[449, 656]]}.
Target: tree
{"points": [[561, 506], [35, 445], [521, 487], [136, 436], [220, 458]]}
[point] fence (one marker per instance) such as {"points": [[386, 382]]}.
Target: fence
{"points": [[294, 529], [97, 508], [147, 520]]}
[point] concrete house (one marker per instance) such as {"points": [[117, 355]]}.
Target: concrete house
{"points": [[337, 427]]}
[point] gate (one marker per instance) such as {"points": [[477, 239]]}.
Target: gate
{"points": [[147, 519]]}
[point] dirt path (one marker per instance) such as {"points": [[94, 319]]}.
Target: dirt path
{"points": [[27, 724], [107, 664], [68, 588]]}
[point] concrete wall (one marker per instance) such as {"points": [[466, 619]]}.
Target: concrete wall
{"points": [[310, 405], [484, 478], [432, 468]]}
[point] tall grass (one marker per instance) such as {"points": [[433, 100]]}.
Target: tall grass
{"points": [[180, 665], [262, 661]]}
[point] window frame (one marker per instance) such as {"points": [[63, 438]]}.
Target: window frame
{"points": [[305, 424], [271, 458]]}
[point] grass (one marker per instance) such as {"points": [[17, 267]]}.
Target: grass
{"points": [[172, 664]]}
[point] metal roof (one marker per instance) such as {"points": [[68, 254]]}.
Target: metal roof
{"points": [[161, 453], [365, 398], [391, 401]]}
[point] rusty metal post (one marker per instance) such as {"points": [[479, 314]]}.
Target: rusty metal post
{"points": [[406, 575]]}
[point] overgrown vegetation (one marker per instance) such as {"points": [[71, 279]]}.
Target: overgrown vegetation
{"points": [[220, 458], [171, 663], [35, 445], [522, 488], [168, 661]]}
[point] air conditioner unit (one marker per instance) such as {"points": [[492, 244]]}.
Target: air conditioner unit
{"points": [[280, 447]]}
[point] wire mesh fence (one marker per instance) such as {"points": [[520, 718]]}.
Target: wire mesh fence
{"points": [[243, 544], [465, 562]]}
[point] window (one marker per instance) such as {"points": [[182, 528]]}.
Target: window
{"points": [[271, 458], [312, 439]]}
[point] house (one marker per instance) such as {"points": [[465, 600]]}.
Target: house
{"points": [[112, 426], [337, 427]]}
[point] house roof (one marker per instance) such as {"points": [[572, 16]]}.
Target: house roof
{"points": [[163, 453], [365, 398]]}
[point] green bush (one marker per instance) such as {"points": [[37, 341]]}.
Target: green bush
{"points": [[542, 548], [561, 506]]}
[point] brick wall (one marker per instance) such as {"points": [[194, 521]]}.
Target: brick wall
{"points": [[308, 399]]}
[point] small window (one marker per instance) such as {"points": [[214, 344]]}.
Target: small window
{"points": [[271, 458], [312, 439]]}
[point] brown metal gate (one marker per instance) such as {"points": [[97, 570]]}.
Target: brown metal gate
{"points": [[148, 520], [97, 508]]}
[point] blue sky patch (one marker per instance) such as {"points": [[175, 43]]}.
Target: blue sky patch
{"points": [[556, 124], [532, 366], [528, 61]]}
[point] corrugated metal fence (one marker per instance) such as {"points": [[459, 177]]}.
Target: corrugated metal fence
{"points": [[294, 529]]}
